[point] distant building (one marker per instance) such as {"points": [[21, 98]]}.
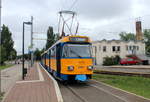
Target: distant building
{"points": [[139, 34], [103, 48]]}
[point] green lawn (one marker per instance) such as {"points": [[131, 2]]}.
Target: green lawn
{"points": [[1, 96], [134, 84], [5, 66]]}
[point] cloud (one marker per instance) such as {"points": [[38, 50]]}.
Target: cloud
{"points": [[103, 9], [97, 17]]}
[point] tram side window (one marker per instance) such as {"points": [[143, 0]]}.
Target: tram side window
{"points": [[47, 55], [65, 51], [53, 52]]}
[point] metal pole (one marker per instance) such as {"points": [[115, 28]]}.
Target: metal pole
{"points": [[32, 41], [23, 53], [0, 41]]}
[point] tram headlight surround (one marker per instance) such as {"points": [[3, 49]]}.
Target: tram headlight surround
{"points": [[70, 68], [90, 67]]}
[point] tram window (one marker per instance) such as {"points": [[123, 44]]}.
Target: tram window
{"points": [[65, 51], [79, 51], [53, 52]]}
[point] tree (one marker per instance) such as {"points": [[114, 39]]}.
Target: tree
{"points": [[113, 60], [147, 40], [13, 54], [7, 42], [127, 36], [57, 37], [50, 37], [37, 54], [2, 55], [131, 37]]}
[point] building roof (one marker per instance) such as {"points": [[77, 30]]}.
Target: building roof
{"points": [[116, 41]]}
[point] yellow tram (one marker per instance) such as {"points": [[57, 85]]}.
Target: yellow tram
{"points": [[69, 59]]}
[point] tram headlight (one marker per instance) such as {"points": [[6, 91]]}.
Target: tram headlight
{"points": [[70, 68], [90, 67]]}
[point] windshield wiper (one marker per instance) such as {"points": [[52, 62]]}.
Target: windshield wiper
{"points": [[75, 53]]}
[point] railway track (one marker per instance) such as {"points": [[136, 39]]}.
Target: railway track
{"points": [[76, 94], [122, 73], [87, 92], [123, 70], [93, 91], [69, 94]]}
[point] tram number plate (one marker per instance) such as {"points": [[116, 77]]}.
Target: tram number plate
{"points": [[80, 67], [78, 39]]}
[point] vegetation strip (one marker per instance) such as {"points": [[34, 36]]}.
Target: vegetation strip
{"points": [[133, 84], [1, 96], [5, 66]]}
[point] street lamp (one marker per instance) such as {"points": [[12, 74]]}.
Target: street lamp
{"points": [[0, 39], [24, 71]]}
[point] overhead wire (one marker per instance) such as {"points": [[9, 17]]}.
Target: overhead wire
{"points": [[73, 4]]}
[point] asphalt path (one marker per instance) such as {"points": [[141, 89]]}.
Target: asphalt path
{"points": [[10, 75], [83, 92]]}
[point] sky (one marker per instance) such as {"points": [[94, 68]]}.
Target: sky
{"points": [[98, 19]]}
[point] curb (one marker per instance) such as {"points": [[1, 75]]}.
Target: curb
{"points": [[57, 89], [6, 94]]}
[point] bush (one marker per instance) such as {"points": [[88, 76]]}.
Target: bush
{"points": [[113, 60]]}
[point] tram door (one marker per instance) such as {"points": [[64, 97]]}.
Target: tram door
{"points": [[58, 56]]}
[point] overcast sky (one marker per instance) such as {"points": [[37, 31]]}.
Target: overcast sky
{"points": [[99, 19]]}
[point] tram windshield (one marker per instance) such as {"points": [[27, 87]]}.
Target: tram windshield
{"points": [[75, 50]]}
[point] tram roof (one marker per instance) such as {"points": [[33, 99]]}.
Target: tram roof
{"points": [[72, 38], [75, 38]]}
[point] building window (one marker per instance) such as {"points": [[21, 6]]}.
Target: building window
{"points": [[113, 48], [99, 47], [95, 49], [130, 47], [134, 47], [118, 48], [127, 47], [137, 47], [104, 48]]}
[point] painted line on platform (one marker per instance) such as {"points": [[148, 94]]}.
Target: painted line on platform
{"points": [[57, 89], [41, 78], [121, 90], [40, 74]]}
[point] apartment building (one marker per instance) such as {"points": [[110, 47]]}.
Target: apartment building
{"points": [[103, 48]]}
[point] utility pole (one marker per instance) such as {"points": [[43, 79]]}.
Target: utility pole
{"points": [[23, 52], [24, 70], [0, 40], [31, 41]]}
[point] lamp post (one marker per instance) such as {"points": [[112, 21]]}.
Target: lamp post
{"points": [[0, 39], [32, 41], [23, 69]]}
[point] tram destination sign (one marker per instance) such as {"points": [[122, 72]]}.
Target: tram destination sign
{"points": [[78, 39]]}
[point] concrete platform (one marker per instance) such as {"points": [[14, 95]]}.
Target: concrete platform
{"points": [[37, 87]]}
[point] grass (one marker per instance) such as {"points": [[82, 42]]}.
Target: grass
{"points": [[1, 96], [5, 66], [134, 84]]}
